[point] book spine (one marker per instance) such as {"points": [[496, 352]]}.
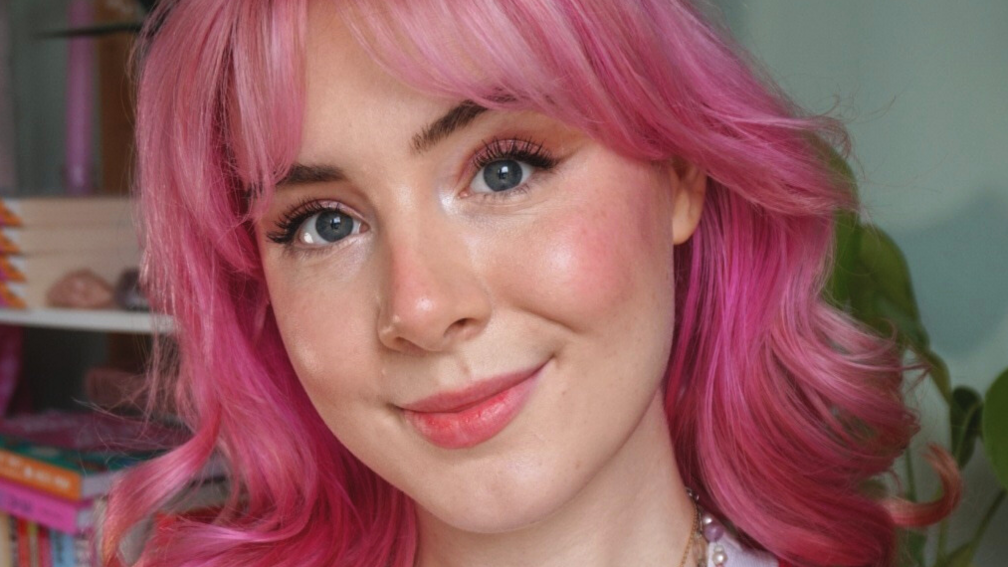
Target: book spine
{"points": [[42, 508], [14, 540], [84, 551], [23, 545], [6, 541], [31, 533], [10, 298], [40, 475], [62, 549], [7, 215], [65, 211], [29, 240], [8, 242], [11, 269], [44, 553]]}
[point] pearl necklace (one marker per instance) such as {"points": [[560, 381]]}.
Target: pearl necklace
{"points": [[712, 533], [706, 530]]}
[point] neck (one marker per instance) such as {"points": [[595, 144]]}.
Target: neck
{"points": [[634, 511]]}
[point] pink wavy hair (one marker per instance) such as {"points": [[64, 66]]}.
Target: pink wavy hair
{"points": [[781, 408]]}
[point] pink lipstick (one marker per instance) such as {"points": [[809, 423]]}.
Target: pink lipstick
{"points": [[467, 417]]}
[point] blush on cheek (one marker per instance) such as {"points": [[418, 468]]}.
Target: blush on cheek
{"points": [[588, 257], [599, 257]]}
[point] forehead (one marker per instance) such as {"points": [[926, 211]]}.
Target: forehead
{"points": [[350, 99]]}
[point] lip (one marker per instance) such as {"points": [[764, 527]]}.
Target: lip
{"points": [[467, 417]]}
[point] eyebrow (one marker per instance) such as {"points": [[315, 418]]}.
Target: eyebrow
{"points": [[456, 118], [301, 174]]}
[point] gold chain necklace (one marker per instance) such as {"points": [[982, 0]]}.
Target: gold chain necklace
{"points": [[693, 535]]}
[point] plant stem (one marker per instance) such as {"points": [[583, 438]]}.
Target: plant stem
{"points": [[988, 516], [942, 539], [911, 493], [959, 435]]}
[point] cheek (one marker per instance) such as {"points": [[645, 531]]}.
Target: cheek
{"points": [[587, 259], [323, 348], [608, 259]]}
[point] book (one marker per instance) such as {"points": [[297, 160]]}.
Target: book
{"points": [[84, 551], [44, 509], [51, 514], [24, 537], [77, 455], [63, 549], [6, 540], [44, 553], [60, 211], [15, 552], [39, 239], [45, 269], [12, 296]]}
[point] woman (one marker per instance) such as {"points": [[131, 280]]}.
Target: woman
{"points": [[501, 283]]}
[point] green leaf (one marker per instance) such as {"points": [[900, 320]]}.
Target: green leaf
{"points": [[910, 329], [847, 229], [913, 543], [847, 235], [965, 414], [843, 175], [995, 427], [881, 258], [961, 557], [938, 373]]}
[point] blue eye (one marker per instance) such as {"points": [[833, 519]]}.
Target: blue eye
{"points": [[501, 175], [326, 227]]}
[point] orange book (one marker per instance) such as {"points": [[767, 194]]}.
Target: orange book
{"points": [[46, 269], [42, 239], [77, 455], [65, 211]]}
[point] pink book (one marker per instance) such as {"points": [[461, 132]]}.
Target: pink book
{"points": [[43, 509]]}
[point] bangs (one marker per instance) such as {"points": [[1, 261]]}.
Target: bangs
{"points": [[567, 60], [263, 99]]}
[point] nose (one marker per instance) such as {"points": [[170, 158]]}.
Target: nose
{"points": [[433, 296]]}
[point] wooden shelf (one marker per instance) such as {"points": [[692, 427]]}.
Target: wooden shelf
{"points": [[102, 321]]}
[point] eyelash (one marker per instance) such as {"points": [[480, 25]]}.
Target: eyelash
{"points": [[293, 218], [519, 149]]}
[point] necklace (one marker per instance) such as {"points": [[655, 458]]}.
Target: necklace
{"points": [[694, 533], [706, 531]]}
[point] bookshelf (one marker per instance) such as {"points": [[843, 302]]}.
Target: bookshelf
{"points": [[72, 101], [100, 321]]}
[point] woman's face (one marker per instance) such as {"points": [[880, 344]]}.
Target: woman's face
{"points": [[481, 308]]}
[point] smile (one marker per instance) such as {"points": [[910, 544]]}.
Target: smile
{"points": [[467, 417]]}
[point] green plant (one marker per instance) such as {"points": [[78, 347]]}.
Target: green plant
{"points": [[871, 281]]}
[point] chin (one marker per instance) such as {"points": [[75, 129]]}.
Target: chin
{"points": [[498, 517], [503, 505]]}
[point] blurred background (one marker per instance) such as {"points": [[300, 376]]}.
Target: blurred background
{"points": [[922, 86]]}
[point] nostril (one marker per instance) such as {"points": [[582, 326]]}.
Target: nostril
{"points": [[461, 329]]}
